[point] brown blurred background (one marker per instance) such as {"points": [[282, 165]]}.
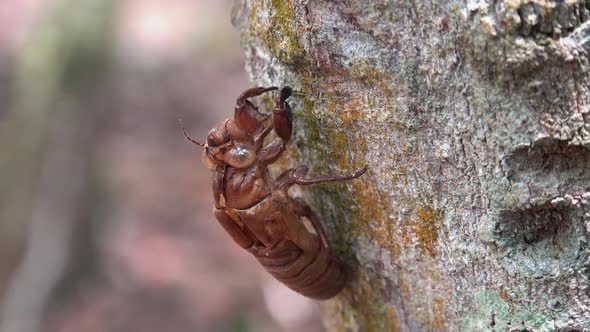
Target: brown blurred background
{"points": [[105, 210]]}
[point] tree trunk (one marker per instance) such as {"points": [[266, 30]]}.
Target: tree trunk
{"points": [[473, 118]]}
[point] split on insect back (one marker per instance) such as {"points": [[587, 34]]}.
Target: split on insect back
{"points": [[256, 210]]}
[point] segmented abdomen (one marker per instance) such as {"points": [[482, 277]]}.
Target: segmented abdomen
{"points": [[317, 275]]}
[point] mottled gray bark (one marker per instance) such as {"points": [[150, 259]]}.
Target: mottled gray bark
{"points": [[474, 120]]}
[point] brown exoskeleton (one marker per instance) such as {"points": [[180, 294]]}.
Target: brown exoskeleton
{"points": [[256, 209]]}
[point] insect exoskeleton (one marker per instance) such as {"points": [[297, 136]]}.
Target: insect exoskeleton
{"points": [[257, 211]]}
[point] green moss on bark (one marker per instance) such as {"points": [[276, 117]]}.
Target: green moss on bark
{"points": [[492, 313], [278, 33]]}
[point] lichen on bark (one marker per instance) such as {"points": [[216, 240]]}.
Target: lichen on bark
{"points": [[473, 118]]}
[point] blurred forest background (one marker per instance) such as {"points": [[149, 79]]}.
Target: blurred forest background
{"points": [[106, 217]]}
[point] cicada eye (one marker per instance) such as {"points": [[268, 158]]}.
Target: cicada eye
{"points": [[216, 138]]}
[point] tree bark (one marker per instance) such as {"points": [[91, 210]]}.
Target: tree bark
{"points": [[473, 118]]}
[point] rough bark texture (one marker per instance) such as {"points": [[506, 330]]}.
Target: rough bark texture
{"points": [[474, 120]]}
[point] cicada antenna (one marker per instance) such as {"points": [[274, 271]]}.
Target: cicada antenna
{"points": [[190, 139]]}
